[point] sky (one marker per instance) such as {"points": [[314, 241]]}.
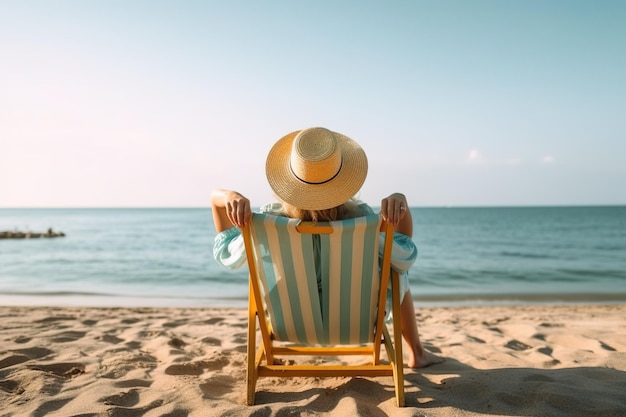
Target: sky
{"points": [[129, 103]]}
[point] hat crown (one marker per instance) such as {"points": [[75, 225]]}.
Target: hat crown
{"points": [[315, 168], [315, 156]]}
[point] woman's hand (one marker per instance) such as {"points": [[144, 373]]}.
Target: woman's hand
{"points": [[230, 208], [237, 208], [395, 210]]}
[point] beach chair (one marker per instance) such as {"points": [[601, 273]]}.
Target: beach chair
{"points": [[316, 290]]}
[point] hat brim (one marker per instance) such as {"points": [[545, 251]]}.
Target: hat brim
{"points": [[306, 196]]}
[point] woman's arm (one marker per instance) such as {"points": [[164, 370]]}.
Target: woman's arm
{"points": [[395, 210], [404, 251], [229, 209]]}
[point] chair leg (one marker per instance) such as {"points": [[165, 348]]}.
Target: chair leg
{"points": [[398, 363], [251, 390], [398, 373], [251, 372]]}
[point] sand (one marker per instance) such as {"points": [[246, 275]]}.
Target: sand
{"points": [[187, 362]]}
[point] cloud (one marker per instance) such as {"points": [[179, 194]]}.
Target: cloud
{"points": [[548, 159]]}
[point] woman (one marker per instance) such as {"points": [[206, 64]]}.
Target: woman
{"points": [[315, 173]]}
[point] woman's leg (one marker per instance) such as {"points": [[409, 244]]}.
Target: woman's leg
{"points": [[418, 356]]}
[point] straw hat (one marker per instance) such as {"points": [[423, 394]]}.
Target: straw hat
{"points": [[316, 169]]}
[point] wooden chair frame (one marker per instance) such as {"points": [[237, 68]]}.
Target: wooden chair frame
{"points": [[261, 360]]}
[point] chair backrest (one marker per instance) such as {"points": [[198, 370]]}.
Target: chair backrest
{"points": [[320, 284]]}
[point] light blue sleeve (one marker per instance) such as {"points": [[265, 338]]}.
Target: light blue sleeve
{"points": [[228, 247], [403, 252], [403, 256], [229, 250]]}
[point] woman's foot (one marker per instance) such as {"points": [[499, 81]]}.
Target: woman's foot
{"points": [[425, 359]]}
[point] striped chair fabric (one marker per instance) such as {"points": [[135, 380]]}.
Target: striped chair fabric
{"points": [[319, 301]]}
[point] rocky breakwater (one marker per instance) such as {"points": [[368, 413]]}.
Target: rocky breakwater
{"points": [[16, 234]]}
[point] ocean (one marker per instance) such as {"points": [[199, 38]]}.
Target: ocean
{"points": [[163, 257]]}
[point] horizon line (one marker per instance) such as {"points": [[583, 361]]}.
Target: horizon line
{"points": [[256, 207]]}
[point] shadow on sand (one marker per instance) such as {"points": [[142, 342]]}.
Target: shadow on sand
{"points": [[458, 389]]}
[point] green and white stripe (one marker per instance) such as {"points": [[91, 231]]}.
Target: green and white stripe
{"points": [[348, 262]]}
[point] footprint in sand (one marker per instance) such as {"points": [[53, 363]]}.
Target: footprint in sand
{"points": [[54, 319], [123, 399], [177, 413], [540, 336], [22, 339], [70, 336], [517, 345], [606, 347], [177, 343], [189, 368], [109, 338], [10, 386], [212, 341], [133, 345], [117, 363], [176, 323], [133, 412], [553, 362], [551, 325], [475, 339], [150, 334], [13, 360], [50, 406], [197, 368], [546, 351], [495, 329], [34, 352], [218, 386], [495, 321], [132, 383], [66, 370], [24, 355], [240, 349]]}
